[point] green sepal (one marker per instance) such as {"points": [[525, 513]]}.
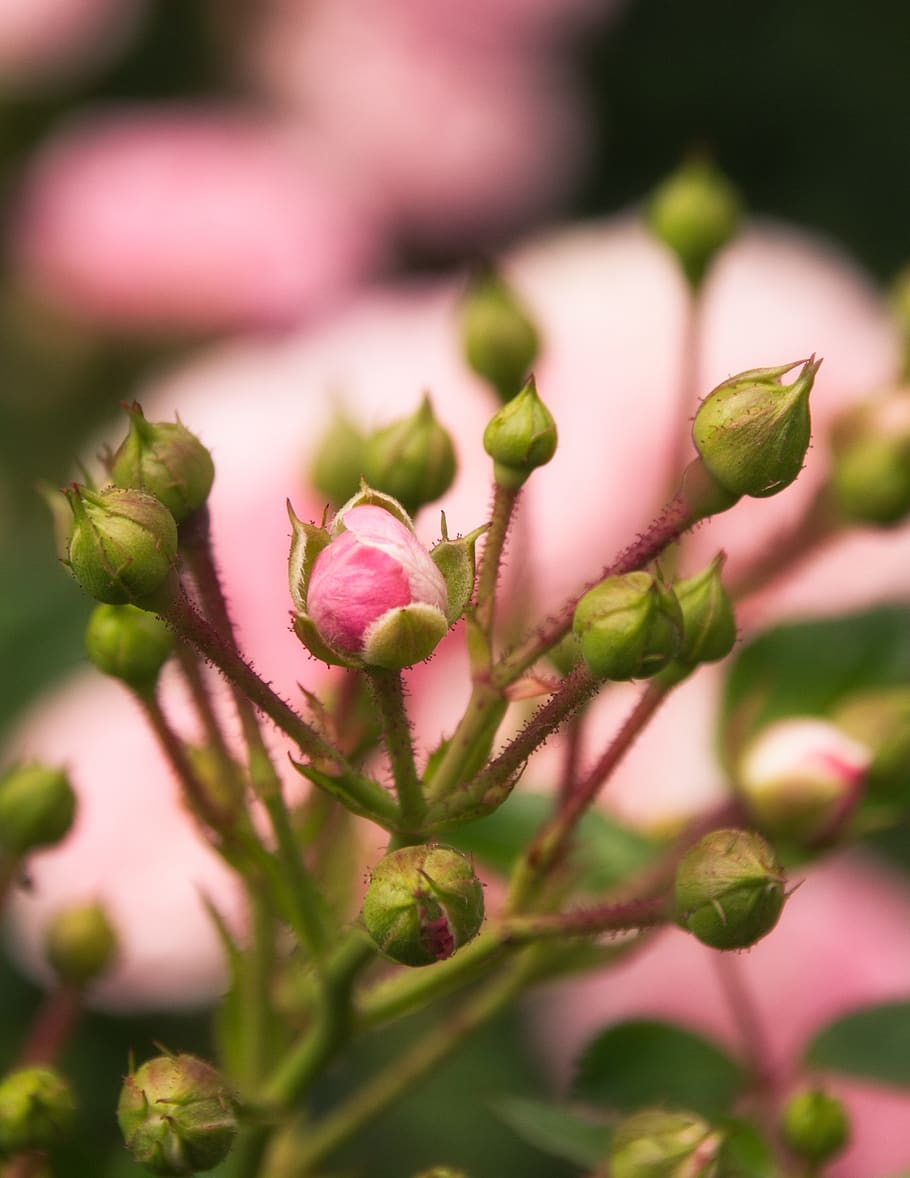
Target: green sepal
{"points": [[307, 541], [456, 560]]}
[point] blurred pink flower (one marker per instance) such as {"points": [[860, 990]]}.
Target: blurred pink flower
{"points": [[612, 308], [46, 42], [186, 219]]}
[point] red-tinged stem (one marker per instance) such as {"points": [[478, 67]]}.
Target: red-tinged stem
{"points": [[53, 1026]]}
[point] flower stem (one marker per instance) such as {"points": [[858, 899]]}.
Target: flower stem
{"points": [[505, 500], [586, 922], [396, 728], [53, 1025]]}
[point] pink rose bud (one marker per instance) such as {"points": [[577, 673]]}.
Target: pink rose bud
{"points": [[802, 777], [374, 592]]}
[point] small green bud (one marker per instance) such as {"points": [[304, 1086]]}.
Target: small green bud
{"points": [[695, 212], [37, 807], [123, 546], [753, 432], [80, 944], [870, 449], [422, 904], [500, 340], [412, 459], [165, 460], [880, 721], [630, 626], [661, 1143], [520, 437], [709, 625], [801, 778], [177, 1115], [37, 1110], [128, 643], [729, 889], [815, 1126], [337, 465]]}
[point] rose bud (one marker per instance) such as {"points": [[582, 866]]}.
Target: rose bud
{"points": [[729, 889], [752, 432], [373, 593], [661, 1143], [629, 626], [337, 465], [695, 213], [37, 807], [177, 1115], [500, 340], [129, 644], [708, 622], [814, 1126], [412, 459], [80, 944], [870, 450], [37, 1110], [520, 437], [123, 546], [801, 778], [422, 904], [165, 460]]}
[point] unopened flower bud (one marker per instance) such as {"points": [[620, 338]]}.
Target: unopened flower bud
{"points": [[629, 626], [879, 720], [870, 448], [165, 460], [500, 340], [128, 643], [422, 904], [37, 807], [695, 212], [709, 625], [80, 944], [412, 459], [520, 437], [662, 1143], [729, 889], [801, 778], [337, 466], [177, 1115], [815, 1126], [37, 1110], [373, 593], [123, 546], [752, 432]]}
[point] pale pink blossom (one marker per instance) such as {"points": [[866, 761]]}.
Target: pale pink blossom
{"points": [[373, 568], [186, 219], [44, 43]]}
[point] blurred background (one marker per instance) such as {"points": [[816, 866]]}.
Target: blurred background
{"points": [[174, 173]]}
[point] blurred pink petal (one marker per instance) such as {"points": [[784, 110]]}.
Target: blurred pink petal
{"points": [[46, 42], [186, 219]]}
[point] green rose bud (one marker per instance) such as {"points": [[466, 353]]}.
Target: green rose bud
{"points": [[629, 627], [37, 807], [695, 212], [422, 904], [753, 432], [80, 944], [520, 437], [500, 340], [815, 1126], [870, 449], [709, 625], [729, 889], [412, 460], [177, 1115], [37, 1110], [165, 460], [660, 1143], [337, 465], [123, 546], [129, 644]]}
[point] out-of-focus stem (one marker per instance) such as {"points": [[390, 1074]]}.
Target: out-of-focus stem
{"points": [[52, 1027]]}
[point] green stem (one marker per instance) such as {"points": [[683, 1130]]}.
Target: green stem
{"points": [[587, 921], [10, 869], [308, 909], [470, 744], [396, 730], [53, 1026], [191, 669], [393, 1081], [505, 500]]}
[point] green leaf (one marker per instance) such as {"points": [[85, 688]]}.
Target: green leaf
{"points": [[557, 1130], [607, 853], [872, 1043], [807, 668], [641, 1062]]}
